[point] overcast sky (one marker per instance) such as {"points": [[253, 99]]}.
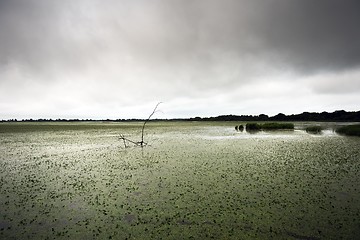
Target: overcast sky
{"points": [[118, 58]]}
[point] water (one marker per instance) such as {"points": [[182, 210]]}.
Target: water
{"points": [[195, 180]]}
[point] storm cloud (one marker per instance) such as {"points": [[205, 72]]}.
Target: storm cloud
{"points": [[115, 59]]}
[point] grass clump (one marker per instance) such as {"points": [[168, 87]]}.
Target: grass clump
{"points": [[269, 126], [314, 129], [350, 130], [253, 127], [277, 126]]}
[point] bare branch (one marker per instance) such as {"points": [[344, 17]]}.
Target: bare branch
{"points": [[146, 121], [140, 143], [125, 140]]}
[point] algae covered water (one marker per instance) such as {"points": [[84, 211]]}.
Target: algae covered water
{"points": [[193, 181]]}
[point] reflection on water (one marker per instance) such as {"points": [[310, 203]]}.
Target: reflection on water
{"points": [[218, 133]]}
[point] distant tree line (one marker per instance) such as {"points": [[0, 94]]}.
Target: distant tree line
{"points": [[337, 116]]}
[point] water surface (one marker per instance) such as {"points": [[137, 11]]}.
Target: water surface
{"points": [[195, 180]]}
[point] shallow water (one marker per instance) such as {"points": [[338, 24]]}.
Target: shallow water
{"points": [[193, 181]]}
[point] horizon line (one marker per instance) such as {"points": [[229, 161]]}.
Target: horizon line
{"points": [[263, 116]]}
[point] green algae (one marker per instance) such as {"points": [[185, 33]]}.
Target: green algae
{"points": [[194, 181]]}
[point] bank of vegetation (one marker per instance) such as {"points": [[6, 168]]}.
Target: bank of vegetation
{"points": [[314, 129], [269, 126], [350, 130]]}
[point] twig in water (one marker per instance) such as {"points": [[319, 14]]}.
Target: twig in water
{"points": [[140, 143]]}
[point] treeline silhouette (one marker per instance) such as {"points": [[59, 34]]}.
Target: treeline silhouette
{"points": [[337, 116]]}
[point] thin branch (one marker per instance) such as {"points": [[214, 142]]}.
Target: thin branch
{"points": [[140, 143], [121, 137], [146, 121]]}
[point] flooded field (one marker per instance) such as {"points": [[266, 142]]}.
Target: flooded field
{"points": [[194, 181]]}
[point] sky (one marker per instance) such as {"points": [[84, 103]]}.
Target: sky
{"points": [[116, 59]]}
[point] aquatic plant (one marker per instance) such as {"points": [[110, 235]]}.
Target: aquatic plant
{"points": [[350, 130], [276, 126], [253, 127], [269, 126], [239, 128], [314, 129]]}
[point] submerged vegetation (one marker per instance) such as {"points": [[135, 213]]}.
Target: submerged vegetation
{"points": [[350, 130], [314, 129]]}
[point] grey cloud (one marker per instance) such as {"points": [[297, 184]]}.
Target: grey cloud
{"points": [[169, 49], [314, 35], [301, 34], [342, 82]]}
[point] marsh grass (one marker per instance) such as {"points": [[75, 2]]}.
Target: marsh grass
{"points": [[253, 127], [277, 126], [314, 129], [350, 130], [269, 126]]}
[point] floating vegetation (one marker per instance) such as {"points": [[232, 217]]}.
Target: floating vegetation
{"points": [[350, 130], [197, 181]]}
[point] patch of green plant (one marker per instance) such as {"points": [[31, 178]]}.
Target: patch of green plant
{"points": [[276, 126], [314, 129], [253, 127], [350, 130], [269, 126], [239, 128]]}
